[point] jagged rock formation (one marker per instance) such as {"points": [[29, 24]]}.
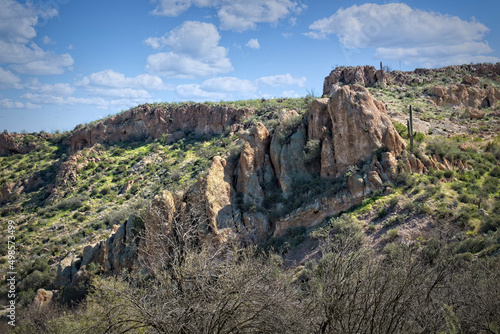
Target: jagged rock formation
{"points": [[145, 123], [366, 76], [348, 130]]}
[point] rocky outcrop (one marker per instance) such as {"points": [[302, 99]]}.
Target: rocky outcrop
{"points": [[359, 125], [237, 200], [366, 76], [16, 143], [465, 96], [146, 123], [119, 251], [42, 298]]}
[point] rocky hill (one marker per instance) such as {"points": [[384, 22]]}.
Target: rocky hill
{"points": [[274, 173]]}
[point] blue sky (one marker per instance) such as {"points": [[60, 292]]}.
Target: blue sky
{"points": [[65, 62]]}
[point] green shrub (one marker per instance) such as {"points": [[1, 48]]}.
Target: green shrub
{"points": [[392, 234], [495, 171], [401, 129]]}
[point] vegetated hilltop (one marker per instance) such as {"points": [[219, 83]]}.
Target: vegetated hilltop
{"points": [[319, 181]]}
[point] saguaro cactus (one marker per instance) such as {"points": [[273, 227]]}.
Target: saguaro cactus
{"points": [[409, 125]]}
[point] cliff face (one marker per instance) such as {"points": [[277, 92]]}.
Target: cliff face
{"points": [[145, 123]]}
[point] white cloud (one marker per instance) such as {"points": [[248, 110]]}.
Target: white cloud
{"points": [[49, 64], [63, 89], [194, 51], [221, 88], [47, 40], [282, 80], [253, 44], [18, 21], [109, 83], [112, 79], [241, 15], [237, 15], [101, 103], [398, 32], [229, 84], [229, 88], [120, 93], [17, 29], [9, 80], [194, 92], [9, 104]]}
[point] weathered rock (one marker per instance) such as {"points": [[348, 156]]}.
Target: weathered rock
{"points": [[318, 120], [42, 298], [473, 113], [416, 166], [219, 193], [356, 185], [360, 125], [361, 75], [328, 165], [470, 80], [465, 96], [66, 270], [315, 213], [286, 150], [118, 251], [248, 181]]}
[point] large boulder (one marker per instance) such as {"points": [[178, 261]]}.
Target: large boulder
{"points": [[360, 125]]}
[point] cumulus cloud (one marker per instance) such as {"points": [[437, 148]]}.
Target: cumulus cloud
{"points": [[63, 89], [229, 84], [253, 44], [109, 83], [282, 80], [194, 92], [49, 64], [9, 80], [239, 15], [194, 51], [112, 79], [399, 32], [47, 40], [221, 88], [9, 104], [99, 102], [227, 88], [17, 30]]}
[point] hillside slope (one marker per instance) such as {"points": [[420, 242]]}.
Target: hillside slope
{"points": [[282, 174]]}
